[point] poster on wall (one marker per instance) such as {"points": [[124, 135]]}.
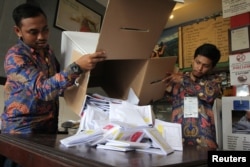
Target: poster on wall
{"points": [[233, 7], [167, 45], [75, 16], [240, 68], [236, 123], [239, 39]]}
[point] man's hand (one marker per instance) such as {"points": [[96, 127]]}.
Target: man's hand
{"points": [[173, 78], [89, 61]]}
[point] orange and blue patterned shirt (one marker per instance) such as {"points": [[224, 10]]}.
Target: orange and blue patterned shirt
{"points": [[201, 130], [32, 90]]}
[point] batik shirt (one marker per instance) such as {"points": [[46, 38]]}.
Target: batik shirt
{"points": [[196, 130], [32, 90]]}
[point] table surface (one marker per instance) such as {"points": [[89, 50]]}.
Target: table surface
{"points": [[40, 150]]}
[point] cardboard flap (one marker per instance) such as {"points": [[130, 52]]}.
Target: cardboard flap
{"points": [[83, 42], [74, 96], [130, 33], [158, 67], [131, 28], [152, 88]]}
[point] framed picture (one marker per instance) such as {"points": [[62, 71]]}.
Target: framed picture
{"points": [[72, 15], [239, 40]]}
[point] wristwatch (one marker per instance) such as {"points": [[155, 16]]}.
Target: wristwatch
{"points": [[76, 68]]}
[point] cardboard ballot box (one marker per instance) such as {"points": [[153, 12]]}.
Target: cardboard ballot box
{"points": [[129, 32], [235, 123]]}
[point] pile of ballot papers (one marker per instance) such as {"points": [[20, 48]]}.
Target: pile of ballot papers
{"points": [[116, 124]]}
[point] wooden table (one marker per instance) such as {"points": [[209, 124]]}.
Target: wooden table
{"points": [[46, 151]]}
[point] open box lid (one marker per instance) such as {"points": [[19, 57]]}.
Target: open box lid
{"points": [[130, 30]]}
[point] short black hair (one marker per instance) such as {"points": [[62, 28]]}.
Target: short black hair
{"points": [[210, 51], [26, 10]]}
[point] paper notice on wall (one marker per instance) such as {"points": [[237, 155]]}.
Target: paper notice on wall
{"points": [[240, 68], [232, 8]]}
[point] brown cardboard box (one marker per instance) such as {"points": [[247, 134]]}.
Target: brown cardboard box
{"points": [[116, 77], [129, 37], [143, 76]]}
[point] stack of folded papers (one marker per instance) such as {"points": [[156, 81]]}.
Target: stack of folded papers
{"points": [[119, 125]]}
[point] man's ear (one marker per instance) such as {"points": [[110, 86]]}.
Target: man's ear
{"points": [[17, 31]]}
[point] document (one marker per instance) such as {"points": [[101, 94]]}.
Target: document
{"points": [[114, 148], [83, 137], [128, 144], [131, 114], [158, 141], [171, 132]]}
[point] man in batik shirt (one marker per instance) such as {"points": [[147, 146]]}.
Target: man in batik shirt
{"points": [[34, 82], [193, 95]]}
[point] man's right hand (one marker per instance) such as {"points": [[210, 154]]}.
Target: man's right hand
{"points": [[89, 61]]}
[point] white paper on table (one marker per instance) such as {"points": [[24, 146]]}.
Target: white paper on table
{"points": [[129, 134], [127, 144], [158, 140], [171, 132], [93, 118], [110, 131], [127, 113], [114, 148], [83, 137]]}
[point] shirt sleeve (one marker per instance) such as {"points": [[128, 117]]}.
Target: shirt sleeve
{"points": [[23, 74]]}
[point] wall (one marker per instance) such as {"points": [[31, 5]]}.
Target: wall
{"points": [[7, 35], [6, 23]]}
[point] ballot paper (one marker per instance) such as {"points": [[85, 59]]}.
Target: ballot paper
{"points": [[110, 132], [131, 134], [158, 145], [127, 144], [119, 125], [83, 137], [131, 114], [171, 132], [158, 141], [114, 148]]}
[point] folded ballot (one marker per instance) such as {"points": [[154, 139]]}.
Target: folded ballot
{"points": [[119, 145], [158, 142], [82, 137], [114, 148], [171, 132], [131, 114], [118, 125], [128, 144]]}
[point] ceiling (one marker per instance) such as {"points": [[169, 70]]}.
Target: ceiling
{"points": [[194, 9], [189, 10]]}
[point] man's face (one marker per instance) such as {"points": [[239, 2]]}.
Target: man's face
{"points": [[201, 65], [34, 31]]}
